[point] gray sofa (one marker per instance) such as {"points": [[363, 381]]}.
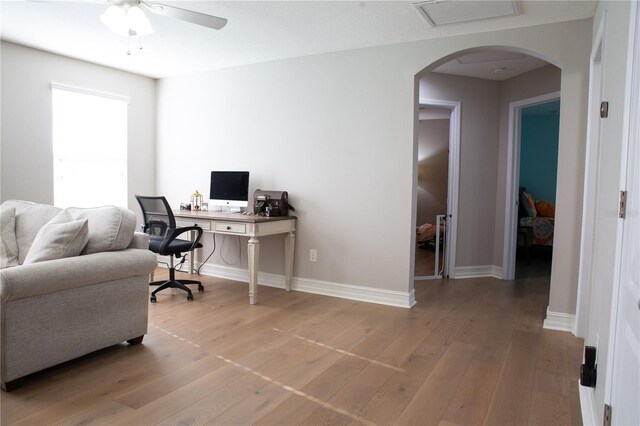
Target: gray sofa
{"points": [[52, 311]]}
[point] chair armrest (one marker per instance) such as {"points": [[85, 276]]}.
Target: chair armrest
{"points": [[140, 240], [172, 234], [52, 276]]}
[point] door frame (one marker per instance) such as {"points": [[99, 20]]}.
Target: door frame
{"points": [[631, 144], [453, 184], [513, 180], [592, 153]]}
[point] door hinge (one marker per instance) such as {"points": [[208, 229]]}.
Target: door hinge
{"points": [[604, 109], [606, 420], [623, 205]]}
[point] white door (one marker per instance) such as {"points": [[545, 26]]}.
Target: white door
{"points": [[625, 385]]}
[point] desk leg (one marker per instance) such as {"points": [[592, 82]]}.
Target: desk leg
{"points": [[289, 245], [192, 255], [254, 258]]}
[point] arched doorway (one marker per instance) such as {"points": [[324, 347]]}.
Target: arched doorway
{"points": [[484, 80]]}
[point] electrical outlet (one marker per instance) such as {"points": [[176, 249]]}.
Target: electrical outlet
{"points": [[313, 255]]}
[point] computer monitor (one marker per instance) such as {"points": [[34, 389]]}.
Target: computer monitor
{"points": [[229, 189]]}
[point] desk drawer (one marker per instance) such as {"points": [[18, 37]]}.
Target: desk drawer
{"points": [[230, 227], [204, 224]]}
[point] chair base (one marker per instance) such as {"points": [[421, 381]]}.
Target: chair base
{"points": [[172, 282]]}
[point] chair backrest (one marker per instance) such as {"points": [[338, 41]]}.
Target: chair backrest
{"points": [[157, 215]]}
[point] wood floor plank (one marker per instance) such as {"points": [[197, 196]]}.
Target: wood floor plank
{"points": [[298, 407], [98, 414], [302, 369], [177, 400], [470, 351], [472, 397], [345, 404], [391, 399], [512, 397], [142, 395], [549, 409], [431, 400], [94, 397]]}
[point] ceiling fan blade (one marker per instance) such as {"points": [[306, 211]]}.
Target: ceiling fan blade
{"points": [[198, 18]]}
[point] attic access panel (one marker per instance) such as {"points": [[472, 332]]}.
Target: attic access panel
{"points": [[446, 12]]}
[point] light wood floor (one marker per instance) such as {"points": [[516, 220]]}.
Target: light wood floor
{"points": [[471, 352], [425, 261]]}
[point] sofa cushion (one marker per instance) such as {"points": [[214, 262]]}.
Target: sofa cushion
{"points": [[110, 227], [30, 217], [61, 237], [8, 245]]}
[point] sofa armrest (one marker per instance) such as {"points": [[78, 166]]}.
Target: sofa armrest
{"points": [[140, 241], [73, 272]]}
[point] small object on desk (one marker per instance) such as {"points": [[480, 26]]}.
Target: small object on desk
{"points": [[271, 203], [185, 206], [196, 201], [204, 207]]}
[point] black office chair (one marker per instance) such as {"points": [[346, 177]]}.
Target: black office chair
{"points": [[160, 224]]}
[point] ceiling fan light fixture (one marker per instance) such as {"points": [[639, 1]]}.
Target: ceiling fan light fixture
{"points": [[138, 22], [126, 20], [115, 19]]}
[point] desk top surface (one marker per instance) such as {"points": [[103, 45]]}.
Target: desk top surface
{"points": [[231, 217]]}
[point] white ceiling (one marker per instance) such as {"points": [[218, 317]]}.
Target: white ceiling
{"points": [[257, 31], [498, 65]]}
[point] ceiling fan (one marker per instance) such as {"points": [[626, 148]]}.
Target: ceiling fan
{"points": [[127, 18]]}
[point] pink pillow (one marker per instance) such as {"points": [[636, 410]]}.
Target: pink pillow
{"points": [[529, 204]]}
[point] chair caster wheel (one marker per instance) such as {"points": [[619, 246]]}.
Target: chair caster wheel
{"points": [[153, 299], [200, 288], [190, 297]]}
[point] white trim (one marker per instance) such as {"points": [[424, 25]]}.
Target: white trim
{"points": [[559, 321], [587, 406], [585, 262], [629, 136], [513, 172], [92, 92], [481, 271], [326, 288], [453, 181], [427, 277]]}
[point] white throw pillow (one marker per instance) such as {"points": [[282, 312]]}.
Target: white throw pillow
{"points": [[110, 227], [61, 237], [9, 245]]}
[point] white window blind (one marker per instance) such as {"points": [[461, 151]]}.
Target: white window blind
{"points": [[89, 148]]}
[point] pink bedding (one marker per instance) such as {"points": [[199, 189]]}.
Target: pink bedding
{"points": [[427, 232]]}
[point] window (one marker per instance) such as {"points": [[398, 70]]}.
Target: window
{"points": [[89, 148]]}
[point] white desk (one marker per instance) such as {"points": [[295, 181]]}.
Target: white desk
{"points": [[250, 226]]}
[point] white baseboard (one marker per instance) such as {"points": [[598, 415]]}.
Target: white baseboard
{"points": [[559, 321], [481, 271], [587, 406], [326, 288]]}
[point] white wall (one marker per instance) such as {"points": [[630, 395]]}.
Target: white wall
{"points": [[480, 116], [433, 169], [339, 132], [26, 150], [613, 131]]}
